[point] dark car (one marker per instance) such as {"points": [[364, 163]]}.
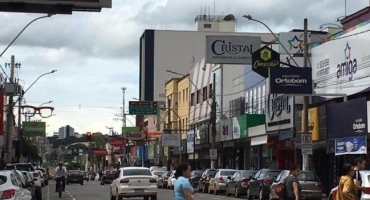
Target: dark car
{"points": [[75, 176], [238, 183], [108, 178], [204, 180], [194, 178], [259, 185]]}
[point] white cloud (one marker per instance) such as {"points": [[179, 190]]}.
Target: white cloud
{"points": [[97, 53]]}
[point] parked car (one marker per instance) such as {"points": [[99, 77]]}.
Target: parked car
{"points": [[217, 183], [237, 184], [171, 180], [194, 178], [30, 183], [31, 170], [309, 181], [75, 176], [259, 185], [45, 175], [163, 180], [11, 187], [134, 182], [365, 176], [157, 174], [41, 178], [203, 182]]}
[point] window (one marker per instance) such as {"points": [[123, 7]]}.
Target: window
{"points": [[183, 96], [205, 96], [2, 180], [179, 100], [192, 99], [135, 172], [199, 96], [187, 94], [207, 25], [210, 90]]}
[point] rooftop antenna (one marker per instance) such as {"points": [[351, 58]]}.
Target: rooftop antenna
{"points": [[209, 12], [214, 8], [201, 10], [205, 12]]}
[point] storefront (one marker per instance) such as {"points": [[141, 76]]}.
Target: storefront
{"points": [[259, 146], [226, 137], [280, 130]]}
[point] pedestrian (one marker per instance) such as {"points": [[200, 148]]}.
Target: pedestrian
{"points": [[358, 165], [292, 187], [183, 189], [347, 189]]}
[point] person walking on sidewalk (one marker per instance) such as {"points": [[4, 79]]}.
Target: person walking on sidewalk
{"points": [[292, 187], [359, 164]]}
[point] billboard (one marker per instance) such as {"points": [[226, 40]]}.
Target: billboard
{"points": [[34, 128], [222, 49], [341, 65], [263, 59], [53, 6], [290, 80]]}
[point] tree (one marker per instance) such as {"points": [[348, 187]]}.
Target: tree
{"points": [[29, 150]]}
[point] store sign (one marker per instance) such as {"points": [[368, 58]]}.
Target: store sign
{"points": [[351, 145], [34, 128], [263, 59], [290, 80], [226, 127], [279, 113], [224, 49], [190, 142], [347, 73], [347, 119]]}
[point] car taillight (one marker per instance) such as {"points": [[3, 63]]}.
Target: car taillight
{"points": [[244, 182], [152, 180], [125, 180], [267, 181], [8, 194], [221, 180], [319, 184], [35, 174], [366, 190], [334, 194]]}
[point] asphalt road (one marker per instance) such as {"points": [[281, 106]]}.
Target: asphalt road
{"points": [[92, 190]]}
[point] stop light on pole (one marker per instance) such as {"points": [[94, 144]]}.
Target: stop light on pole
{"points": [[88, 136]]}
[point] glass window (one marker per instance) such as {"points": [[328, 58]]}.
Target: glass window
{"points": [[247, 174], [2, 180], [272, 174], [307, 176], [20, 167], [227, 173]]}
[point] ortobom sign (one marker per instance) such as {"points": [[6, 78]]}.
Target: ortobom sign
{"points": [[34, 128], [290, 80], [223, 49]]}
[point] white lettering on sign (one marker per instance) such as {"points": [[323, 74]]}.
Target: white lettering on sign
{"points": [[134, 135]]}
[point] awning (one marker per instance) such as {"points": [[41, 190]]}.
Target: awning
{"points": [[259, 140]]}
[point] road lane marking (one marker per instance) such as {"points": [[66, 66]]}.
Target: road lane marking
{"points": [[48, 193]]}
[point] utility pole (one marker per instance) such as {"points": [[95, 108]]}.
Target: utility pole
{"points": [[9, 117], [124, 124], [305, 157], [20, 129], [213, 120]]}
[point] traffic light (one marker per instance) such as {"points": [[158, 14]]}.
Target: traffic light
{"points": [[88, 136]]}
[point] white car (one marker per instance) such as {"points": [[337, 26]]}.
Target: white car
{"points": [[134, 182], [157, 175], [11, 187], [31, 170]]}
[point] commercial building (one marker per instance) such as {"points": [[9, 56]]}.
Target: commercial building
{"points": [[66, 131]]}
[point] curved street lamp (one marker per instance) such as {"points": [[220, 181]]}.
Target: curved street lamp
{"points": [[45, 103], [333, 24], [249, 17]]}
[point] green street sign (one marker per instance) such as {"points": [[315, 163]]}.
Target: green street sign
{"points": [[143, 108], [34, 128], [142, 111]]}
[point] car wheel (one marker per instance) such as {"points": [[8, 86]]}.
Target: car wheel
{"points": [[204, 188], [227, 191], [270, 197], [260, 196], [249, 197], [237, 195], [153, 198], [112, 197], [38, 194], [82, 183], [46, 182]]}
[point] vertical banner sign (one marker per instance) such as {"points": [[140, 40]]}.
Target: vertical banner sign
{"points": [[1, 114], [190, 142]]}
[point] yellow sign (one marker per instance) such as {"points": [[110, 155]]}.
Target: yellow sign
{"points": [[265, 54], [313, 123]]}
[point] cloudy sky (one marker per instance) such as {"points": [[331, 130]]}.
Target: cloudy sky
{"points": [[96, 54]]}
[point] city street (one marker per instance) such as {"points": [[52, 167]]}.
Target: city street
{"points": [[92, 190]]}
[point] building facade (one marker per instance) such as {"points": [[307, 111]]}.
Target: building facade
{"points": [[66, 131]]}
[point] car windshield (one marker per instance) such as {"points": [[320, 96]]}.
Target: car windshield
{"points": [[137, 172], [158, 173], [20, 167], [197, 173], [227, 173], [307, 176], [246, 173], [272, 174]]}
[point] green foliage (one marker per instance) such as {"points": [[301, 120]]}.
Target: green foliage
{"points": [[96, 137], [74, 166], [29, 150]]}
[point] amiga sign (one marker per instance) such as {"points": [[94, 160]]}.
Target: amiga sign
{"points": [[53, 6]]}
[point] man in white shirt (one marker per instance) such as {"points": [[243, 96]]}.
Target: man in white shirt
{"points": [[60, 174]]}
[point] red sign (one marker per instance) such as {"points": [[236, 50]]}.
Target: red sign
{"points": [[154, 134], [117, 142], [100, 152]]}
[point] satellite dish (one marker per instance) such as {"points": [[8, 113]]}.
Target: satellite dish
{"points": [[229, 17]]}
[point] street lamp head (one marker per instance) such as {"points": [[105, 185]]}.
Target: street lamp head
{"points": [[249, 17], [53, 71]]}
